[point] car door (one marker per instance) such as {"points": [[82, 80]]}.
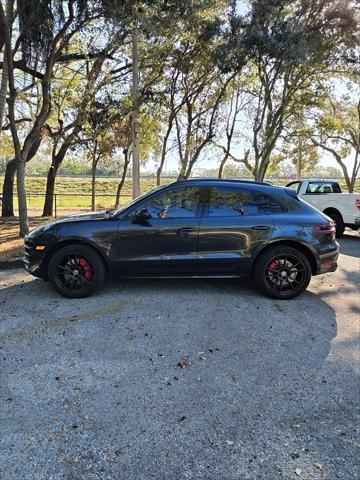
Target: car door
{"points": [[166, 242], [235, 225]]}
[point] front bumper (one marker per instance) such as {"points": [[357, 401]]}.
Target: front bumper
{"points": [[33, 259]]}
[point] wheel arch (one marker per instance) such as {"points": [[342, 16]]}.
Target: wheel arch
{"points": [[294, 244], [71, 241]]}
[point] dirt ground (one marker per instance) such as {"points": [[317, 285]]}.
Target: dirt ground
{"points": [[11, 245]]}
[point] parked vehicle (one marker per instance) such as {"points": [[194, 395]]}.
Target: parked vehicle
{"points": [[327, 196], [198, 227]]}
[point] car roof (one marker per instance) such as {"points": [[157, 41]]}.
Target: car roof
{"points": [[323, 180], [224, 181]]}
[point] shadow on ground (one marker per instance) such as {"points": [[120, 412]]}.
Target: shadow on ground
{"points": [[180, 379]]}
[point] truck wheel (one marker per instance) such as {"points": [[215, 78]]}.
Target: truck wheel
{"points": [[340, 227]]}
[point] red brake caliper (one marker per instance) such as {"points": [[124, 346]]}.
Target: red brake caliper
{"points": [[272, 266], [87, 268]]}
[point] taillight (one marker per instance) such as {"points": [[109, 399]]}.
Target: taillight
{"points": [[357, 203], [325, 227]]}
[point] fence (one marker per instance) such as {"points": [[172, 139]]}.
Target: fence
{"points": [[69, 203]]}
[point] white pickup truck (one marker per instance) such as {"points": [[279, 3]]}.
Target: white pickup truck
{"points": [[326, 196]]}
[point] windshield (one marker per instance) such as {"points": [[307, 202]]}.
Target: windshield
{"points": [[135, 200]]}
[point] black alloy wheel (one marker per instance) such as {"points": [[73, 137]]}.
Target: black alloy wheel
{"points": [[283, 272], [76, 271]]}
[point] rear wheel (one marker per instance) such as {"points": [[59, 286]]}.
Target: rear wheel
{"points": [[76, 271], [282, 272], [339, 223]]}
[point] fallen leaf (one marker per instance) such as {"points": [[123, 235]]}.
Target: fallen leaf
{"points": [[120, 450], [184, 362], [318, 466], [298, 471]]}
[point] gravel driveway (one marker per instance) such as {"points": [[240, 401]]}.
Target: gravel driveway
{"points": [[181, 379]]}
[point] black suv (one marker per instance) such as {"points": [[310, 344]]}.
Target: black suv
{"points": [[198, 227]]}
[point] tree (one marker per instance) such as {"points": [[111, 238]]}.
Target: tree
{"points": [[292, 44], [337, 131], [233, 107], [70, 101], [44, 37]]}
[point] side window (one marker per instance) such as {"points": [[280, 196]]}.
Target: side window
{"points": [[176, 203], [228, 202], [266, 204]]}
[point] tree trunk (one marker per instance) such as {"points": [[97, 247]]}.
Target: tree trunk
{"points": [[93, 186], [160, 168], [123, 176], [49, 193], [262, 167], [8, 190], [5, 71], [222, 165], [163, 154], [57, 159], [23, 213], [182, 174]]}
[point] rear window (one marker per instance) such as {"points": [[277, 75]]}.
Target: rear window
{"points": [[323, 187]]}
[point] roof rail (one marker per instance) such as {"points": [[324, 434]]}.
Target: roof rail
{"points": [[234, 180]]}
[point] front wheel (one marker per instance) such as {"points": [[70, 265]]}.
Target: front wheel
{"points": [[76, 271], [282, 272]]}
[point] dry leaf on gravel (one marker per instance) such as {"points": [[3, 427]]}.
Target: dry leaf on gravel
{"points": [[184, 362]]}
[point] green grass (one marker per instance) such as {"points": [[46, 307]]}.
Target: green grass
{"points": [[73, 192]]}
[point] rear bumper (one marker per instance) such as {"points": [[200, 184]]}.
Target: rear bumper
{"points": [[327, 262]]}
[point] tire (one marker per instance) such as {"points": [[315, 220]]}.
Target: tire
{"points": [[76, 271], [340, 227], [269, 277]]}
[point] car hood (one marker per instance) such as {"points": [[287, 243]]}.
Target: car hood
{"points": [[81, 217]]}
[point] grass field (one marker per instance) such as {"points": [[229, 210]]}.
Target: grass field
{"points": [[74, 193]]}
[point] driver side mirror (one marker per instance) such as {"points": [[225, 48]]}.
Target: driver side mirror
{"points": [[142, 215]]}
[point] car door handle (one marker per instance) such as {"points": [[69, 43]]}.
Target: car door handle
{"points": [[184, 232], [260, 227]]}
